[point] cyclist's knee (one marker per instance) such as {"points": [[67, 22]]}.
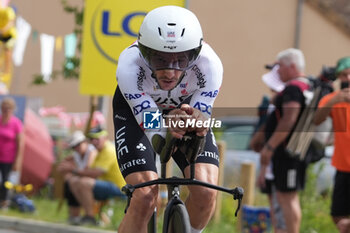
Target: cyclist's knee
{"points": [[145, 199], [204, 196]]}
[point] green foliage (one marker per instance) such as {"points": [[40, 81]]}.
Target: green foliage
{"points": [[315, 206], [71, 67], [38, 79]]}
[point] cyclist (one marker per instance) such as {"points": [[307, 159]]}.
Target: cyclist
{"points": [[169, 69]]}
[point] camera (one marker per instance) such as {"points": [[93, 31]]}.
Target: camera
{"points": [[344, 85], [328, 73]]}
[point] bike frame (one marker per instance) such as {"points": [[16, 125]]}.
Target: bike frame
{"points": [[237, 192], [165, 148]]}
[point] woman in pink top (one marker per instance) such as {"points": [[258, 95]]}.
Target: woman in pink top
{"points": [[11, 144]]}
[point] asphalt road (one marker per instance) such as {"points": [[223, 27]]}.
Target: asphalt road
{"points": [[18, 225], [10, 231]]}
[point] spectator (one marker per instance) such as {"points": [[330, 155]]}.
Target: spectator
{"points": [[11, 145], [288, 172], [265, 178], [83, 156], [7, 34], [336, 105], [101, 181]]}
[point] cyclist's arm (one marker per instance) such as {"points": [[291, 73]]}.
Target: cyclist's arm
{"points": [[131, 77], [209, 72], [131, 81]]}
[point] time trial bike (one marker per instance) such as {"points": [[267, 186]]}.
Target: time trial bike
{"points": [[176, 218]]}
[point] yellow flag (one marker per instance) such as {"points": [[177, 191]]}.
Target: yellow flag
{"points": [[58, 43], [109, 27]]}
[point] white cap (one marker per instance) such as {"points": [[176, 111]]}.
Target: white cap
{"points": [[272, 79], [76, 138]]}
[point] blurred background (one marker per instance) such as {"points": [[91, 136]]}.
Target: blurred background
{"points": [[246, 35]]}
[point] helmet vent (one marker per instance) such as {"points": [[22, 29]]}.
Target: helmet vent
{"points": [[183, 32], [159, 31], [171, 24]]}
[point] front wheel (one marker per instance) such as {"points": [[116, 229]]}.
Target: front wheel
{"points": [[179, 221]]}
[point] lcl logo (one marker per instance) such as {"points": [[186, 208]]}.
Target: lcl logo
{"points": [[104, 34], [125, 24]]}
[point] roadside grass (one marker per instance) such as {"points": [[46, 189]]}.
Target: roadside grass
{"points": [[315, 210], [315, 207]]}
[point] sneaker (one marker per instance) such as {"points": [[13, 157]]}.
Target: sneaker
{"points": [[74, 220], [88, 220]]}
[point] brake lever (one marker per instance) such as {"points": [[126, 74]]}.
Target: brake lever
{"points": [[128, 189], [238, 195]]}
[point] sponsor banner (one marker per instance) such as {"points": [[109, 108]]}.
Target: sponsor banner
{"points": [[109, 27]]}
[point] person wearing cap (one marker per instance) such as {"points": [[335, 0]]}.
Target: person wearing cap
{"points": [[265, 178], [82, 157], [337, 106], [101, 181], [288, 171]]}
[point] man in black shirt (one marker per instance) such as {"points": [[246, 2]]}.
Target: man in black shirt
{"points": [[289, 172]]}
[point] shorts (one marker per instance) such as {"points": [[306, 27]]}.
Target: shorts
{"points": [[104, 190], [268, 187], [341, 193], [71, 200], [289, 172], [134, 150]]}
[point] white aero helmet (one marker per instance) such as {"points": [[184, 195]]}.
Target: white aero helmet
{"points": [[170, 37]]}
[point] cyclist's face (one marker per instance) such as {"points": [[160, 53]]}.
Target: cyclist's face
{"points": [[168, 79]]}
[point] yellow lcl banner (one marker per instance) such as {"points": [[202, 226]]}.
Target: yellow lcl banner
{"points": [[109, 27]]}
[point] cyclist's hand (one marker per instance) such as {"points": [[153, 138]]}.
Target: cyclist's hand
{"points": [[198, 116], [177, 129]]}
